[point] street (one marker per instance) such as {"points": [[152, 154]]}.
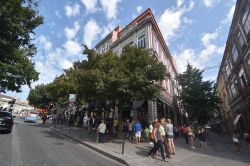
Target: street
{"points": [[35, 145]]}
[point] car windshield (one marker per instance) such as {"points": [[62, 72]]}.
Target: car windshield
{"points": [[4, 114]]}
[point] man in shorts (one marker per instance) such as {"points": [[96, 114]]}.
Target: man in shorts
{"points": [[137, 128]]}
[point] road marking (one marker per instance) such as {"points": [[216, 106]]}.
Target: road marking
{"points": [[16, 158]]}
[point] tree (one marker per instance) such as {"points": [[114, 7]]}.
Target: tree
{"points": [[18, 18], [134, 75], [39, 96], [197, 96]]}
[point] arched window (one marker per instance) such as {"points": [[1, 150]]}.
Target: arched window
{"points": [[246, 18]]}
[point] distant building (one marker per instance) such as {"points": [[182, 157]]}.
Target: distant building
{"points": [[233, 82], [18, 107], [144, 32]]}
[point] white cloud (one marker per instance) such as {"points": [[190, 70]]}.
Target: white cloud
{"points": [[139, 8], [110, 7], [229, 17], [179, 2], [170, 22], [66, 64], [47, 72], [207, 38], [45, 43], [200, 58], [187, 20], [210, 3], [90, 5], [70, 33], [72, 48], [73, 10], [91, 30]]}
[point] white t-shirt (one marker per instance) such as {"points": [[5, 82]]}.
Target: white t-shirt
{"points": [[151, 128], [102, 128]]}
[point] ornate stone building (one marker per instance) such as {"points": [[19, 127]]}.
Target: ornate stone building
{"points": [[234, 75]]}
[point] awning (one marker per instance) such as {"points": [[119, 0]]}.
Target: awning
{"points": [[137, 104], [237, 119], [165, 99]]}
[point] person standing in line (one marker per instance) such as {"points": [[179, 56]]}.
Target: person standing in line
{"points": [[153, 138], [184, 133], [146, 132], [153, 151], [170, 138], [101, 132], [90, 124], [130, 129], [137, 128], [191, 136], [150, 132], [203, 138], [160, 139]]}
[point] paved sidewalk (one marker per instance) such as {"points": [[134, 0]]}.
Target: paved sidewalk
{"points": [[218, 153]]}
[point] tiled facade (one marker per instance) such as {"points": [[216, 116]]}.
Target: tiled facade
{"points": [[233, 82], [144, 32]]}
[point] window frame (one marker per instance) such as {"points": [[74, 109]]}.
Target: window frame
{"points": [[233, 51], [244, 21], [141, 41]]}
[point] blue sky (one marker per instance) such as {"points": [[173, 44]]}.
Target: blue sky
{"points": [[195, 31]]}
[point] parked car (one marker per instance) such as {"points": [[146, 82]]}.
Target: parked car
{"points": [[32, 118], [6, 121]]}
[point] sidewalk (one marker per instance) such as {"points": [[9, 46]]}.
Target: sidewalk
{"points": [[218, 154]]}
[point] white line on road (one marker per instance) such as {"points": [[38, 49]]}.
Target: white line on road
{"points": [[16, 158]]}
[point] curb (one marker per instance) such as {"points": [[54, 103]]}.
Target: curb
{"points": [[91, 147]]}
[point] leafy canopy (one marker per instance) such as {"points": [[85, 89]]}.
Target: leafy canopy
{"points": [[18, 18], [197, 96]]}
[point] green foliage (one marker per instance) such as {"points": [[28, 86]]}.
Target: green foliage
{"points": [[18, 18], [135, 74], [40, 96], [197, 96]]}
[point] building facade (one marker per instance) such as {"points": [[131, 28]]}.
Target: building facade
{"points": [[144, 32], [233, 81]]}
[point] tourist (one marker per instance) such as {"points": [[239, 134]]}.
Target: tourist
{"points": [[101, 132], [191, 136], [137, 129], [169, 138], [203, 137], [146, 132]]}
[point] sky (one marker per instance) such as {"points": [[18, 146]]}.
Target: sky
{"points": [[194, 30]]}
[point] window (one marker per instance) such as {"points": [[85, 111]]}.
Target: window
{"points": [[240, 38], [142, 41], [228, 68], [242, 77], [164, 84], [246, 18], [131, 43], [248, 63], [233, 90], [234, 53]]}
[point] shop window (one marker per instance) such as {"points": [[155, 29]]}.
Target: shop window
{"points": [[235, 53], [242, 77], [142, 41], [246, 18]]}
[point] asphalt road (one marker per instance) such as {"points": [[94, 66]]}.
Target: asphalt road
{"points": [[36, 145]]}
